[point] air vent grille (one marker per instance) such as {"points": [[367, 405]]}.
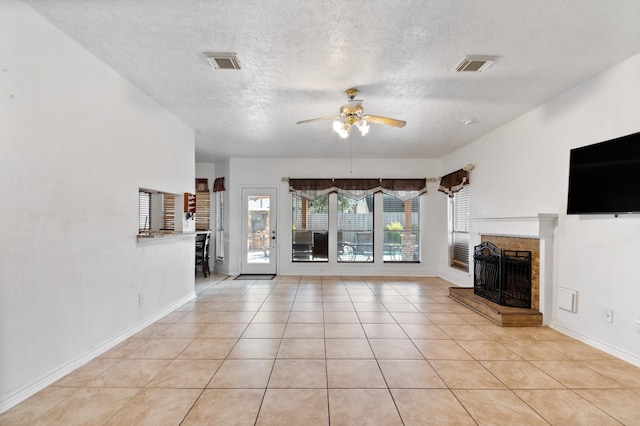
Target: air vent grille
{"points": [[475, 63], [223, 61]]}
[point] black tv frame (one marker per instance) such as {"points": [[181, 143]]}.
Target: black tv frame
{"points": [[604, 178]]}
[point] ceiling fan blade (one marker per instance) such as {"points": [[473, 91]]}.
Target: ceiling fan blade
{"points": [[385, 120], [333, 117]]}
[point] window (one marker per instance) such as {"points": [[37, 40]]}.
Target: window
{"points": [[156, 211], [219, 225], [203, 210], [353, 205], [401, 229], [458, 229], [144, 211], [169, 211], [355, 229], [310, 229]]}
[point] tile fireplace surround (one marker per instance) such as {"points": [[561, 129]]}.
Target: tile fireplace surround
{"points": [[516, 233]]}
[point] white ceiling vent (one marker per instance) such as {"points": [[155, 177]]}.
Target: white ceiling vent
{"points": [[223, 61], [475, 63]]}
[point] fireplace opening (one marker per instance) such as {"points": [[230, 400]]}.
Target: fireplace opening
{"points": [[502, 276]]}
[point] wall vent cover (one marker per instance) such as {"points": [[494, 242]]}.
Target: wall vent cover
{"points": [[475, 63], [223, 61]]}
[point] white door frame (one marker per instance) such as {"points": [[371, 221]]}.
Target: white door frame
{"points": [[262, 259]]}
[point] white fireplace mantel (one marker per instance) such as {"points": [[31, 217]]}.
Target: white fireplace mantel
{"points": [[541, 227], [538, 226]]}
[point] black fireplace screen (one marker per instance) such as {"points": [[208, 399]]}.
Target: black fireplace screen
{"points": [[502, 276]]}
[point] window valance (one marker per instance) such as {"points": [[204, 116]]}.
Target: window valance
{"points": [[454, 182], [402, 189], [311, 188], [357, 188], [218, 184]]}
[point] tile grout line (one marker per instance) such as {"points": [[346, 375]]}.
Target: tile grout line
{"points": [[266, 387]]}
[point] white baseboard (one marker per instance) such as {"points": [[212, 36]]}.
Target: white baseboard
{"points": [[625, 356], [457, 277], [20, 395]]}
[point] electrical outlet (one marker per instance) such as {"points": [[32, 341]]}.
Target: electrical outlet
{"points": [[140, 298], [608, 315]]}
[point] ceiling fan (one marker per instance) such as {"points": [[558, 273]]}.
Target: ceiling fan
{"points": [[352, 114]]}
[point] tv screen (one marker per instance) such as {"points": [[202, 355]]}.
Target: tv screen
{"points": [[605, 177]]}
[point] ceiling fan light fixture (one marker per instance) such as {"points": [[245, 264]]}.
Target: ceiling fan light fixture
{"points": [[352, 114], [341, 128], [362, 126]]}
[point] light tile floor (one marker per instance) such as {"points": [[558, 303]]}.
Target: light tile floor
{"points": [[339, 351]]}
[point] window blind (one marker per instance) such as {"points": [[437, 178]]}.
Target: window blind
{"points": [[144, 211], [169, 211], [203, 210], [459, 209], [219, 243]]}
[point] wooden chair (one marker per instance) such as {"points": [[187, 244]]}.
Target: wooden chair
{"points": [[202, 252]]}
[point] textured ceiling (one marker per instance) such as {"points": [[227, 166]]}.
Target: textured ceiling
{"points": [[298, 57]]}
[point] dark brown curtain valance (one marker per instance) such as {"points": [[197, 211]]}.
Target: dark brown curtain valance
{"points": [[403, 189], [218, 184], [403, 184], [310, 184], [202, 185], [454, 182], [356, 184], [357, 189], [311, 188]]}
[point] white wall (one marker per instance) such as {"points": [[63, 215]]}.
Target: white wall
{"points": [[76, 142], [522, 169], [266, 172]]}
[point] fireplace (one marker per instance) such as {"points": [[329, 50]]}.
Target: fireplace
{"points": [[502, 276], [530, 233]]}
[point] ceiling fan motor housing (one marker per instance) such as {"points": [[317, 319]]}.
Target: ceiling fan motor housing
{"points": [[351, 93]]}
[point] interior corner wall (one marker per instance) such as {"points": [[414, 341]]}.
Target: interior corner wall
{"points": [[77, 140], [522, 169], [268, 173]]}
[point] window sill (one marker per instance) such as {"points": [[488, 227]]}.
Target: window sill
{"points": [[460, 267]]}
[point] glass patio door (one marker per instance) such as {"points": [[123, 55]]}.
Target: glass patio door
{"points": [[259, 247]]}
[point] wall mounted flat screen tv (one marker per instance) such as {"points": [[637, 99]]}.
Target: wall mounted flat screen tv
{"points": [[605, 177]]}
